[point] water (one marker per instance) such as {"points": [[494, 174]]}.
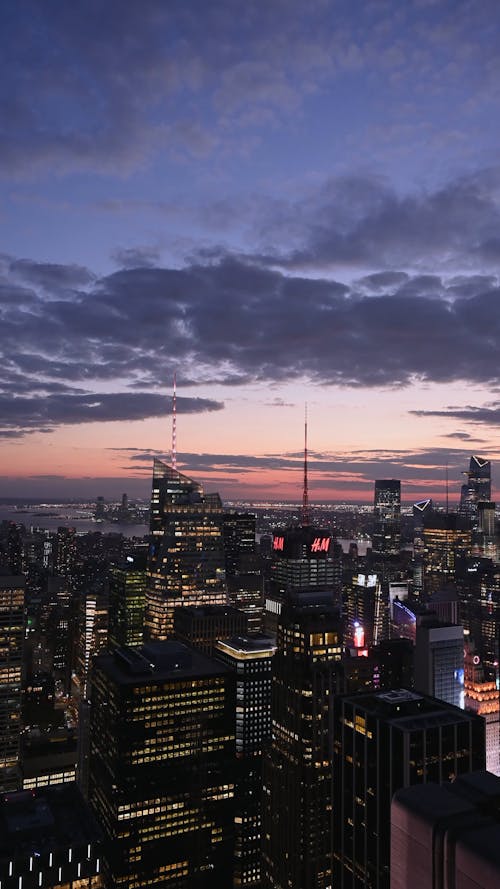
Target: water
{"points": [[68, 517]]}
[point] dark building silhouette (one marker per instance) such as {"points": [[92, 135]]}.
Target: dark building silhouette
{"points": [[383, 742], [477, 487], [447, 836], [243, 573], [186, 564], [203, 626], [162, 766], [297, 802], [49, 840]]}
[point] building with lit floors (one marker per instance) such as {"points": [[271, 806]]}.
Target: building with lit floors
{"points": [[297, 775], [161, 767], [383, 742], [477, 487], [251, 660], [186, 562], [203, 626], [243, 573], [447, 538], [303, 558], [11, 663], [481, 697], [127, 602], [386, 538]]}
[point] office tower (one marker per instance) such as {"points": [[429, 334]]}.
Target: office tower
{"points": [[439, 660], [58, 628], [403, 620], [66, 552], [100, 510], [11, 661], [305, 558], [447, 836], [127, 601], [297, 802], [243, 572], [382, 742], [162, 766], [202, 627], [92, 637], [368, 607], [477, 487], [49, 840], [396, 663], [487, 529], [250, 658], [481, 696], [386, 539], [420, 511], [447, 537], [186, 558], [485, 626]]}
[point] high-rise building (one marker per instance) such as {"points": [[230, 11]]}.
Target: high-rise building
{"points": [[421, 509], [297, 795], [162, 766], [447, 536], [477, 487], [243, 573], [382, 742], [250, 658], [11, 662], [481, 696], [127, 601], [386, 539], [49, 840], [439, 660], [447, 836], [367, 607], [305, 558], [487, 529], [91, 638], [186, 564]]}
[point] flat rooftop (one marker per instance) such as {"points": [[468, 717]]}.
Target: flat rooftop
{"points": [[157, 662]]}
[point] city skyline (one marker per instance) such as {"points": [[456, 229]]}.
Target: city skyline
{"points": [[292, 205]]}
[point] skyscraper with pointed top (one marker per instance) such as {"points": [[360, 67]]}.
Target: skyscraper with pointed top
{"points": [[186, 563]]}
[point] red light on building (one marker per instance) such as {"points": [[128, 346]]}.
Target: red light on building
{"points": [[359, 636], [320, 545], [279, 543]]}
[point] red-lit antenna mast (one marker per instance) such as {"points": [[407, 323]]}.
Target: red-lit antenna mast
{"points": [[174, 425], [305, 495]]}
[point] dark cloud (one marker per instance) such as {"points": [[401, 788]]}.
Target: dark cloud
{"points": [[487, 415], [51, 276], [231, 322], [21, 414]]}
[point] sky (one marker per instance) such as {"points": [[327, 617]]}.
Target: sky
{"points": [[283, 203]]}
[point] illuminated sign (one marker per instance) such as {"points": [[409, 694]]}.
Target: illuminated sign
{"points": [[359, 636], [279, 543], [320, 545]]}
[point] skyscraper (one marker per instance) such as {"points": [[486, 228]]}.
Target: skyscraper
{"points": [[251, 659], [127, 600], [162, 767], [11, 660], [477, 487], [304, 558], [186, 563], [297, 805], [439, 660], [386, 539], [383, 742]]}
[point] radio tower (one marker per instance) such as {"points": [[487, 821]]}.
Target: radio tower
{"points": [[305, 496], [174, 425]]}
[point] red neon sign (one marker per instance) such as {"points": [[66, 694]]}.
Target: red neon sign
{"points": [[359, 637], [279, 543], [320, 545]]}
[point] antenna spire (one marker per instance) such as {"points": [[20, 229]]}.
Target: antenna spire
{"points": [[305, 495], [174, 424]]}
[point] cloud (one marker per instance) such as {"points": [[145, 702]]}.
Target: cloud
{"points": [[23, 414], [231, 321], [488, 415]]}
